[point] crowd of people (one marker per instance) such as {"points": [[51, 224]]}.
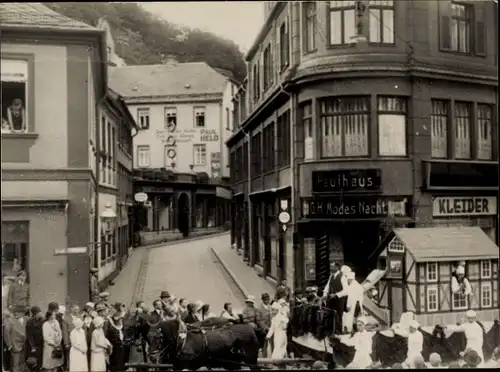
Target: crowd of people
{"points": [[104, 337]]}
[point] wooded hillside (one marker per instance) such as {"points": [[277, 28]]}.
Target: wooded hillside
{"points": [[141, 38]]}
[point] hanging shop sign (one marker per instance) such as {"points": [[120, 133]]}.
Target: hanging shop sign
{"points": [[141, 197], [354, 207], [464, 206], [284, 217], [346, 180], [209, 135]]}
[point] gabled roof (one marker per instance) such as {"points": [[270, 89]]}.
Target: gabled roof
{"points": [[433, 244], [38, 16], [166, 80]]}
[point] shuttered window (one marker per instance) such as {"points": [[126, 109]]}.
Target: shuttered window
{"points": [[484, 132], [462, 27]]}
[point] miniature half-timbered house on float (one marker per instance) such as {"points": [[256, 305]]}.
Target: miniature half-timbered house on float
{"points": [[420, 265]]}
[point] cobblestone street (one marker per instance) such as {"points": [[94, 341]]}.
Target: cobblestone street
{"points": [[189, 270]]}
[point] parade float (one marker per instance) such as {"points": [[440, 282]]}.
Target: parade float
{"points": [[430, 275]]}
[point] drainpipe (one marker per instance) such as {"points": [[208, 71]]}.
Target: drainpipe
{"points": [[249, 190]]}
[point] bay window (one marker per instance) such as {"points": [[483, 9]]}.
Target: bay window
{"points": [[484, 132], [462, 130], [344, 126], [381, 21], [14, 83], [342, 22], [439, 124]]}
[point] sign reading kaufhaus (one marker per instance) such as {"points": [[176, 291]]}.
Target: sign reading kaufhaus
{"points": [[346, 180], [353, 207], [456, 206]]}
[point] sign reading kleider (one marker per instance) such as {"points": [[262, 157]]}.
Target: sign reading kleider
{"points": [[464, 206]]}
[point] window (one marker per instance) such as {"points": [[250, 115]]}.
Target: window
{"points": [[432, 298], [228, 118], [460, 301], [199, 117], [381, 21], [284, 143], [14, 83], [344, 126], [170, 119], [308, 131], [143, 156], [256, 81], [432, 271], [284, 45], [462, 130], [485, 269], [143, 118], [268, 148], [342, 22], [268, 67], [256, 153], [309, 12], [200, 154], [486, 293], [392, 126], [484, 140], [15, 240], [439, 123], [461, 17]]}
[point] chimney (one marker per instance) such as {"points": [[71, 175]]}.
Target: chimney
{"points": [[169, 60]]}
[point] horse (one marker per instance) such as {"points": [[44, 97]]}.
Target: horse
{"points": [[212, 344]]}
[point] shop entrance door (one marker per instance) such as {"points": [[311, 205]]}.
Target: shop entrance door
{"points": [[359, 239]]}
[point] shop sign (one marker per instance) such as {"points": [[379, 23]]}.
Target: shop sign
{"points": [[209, 135], [178, 135], [346, 180], [352, 207], [464, 206]]}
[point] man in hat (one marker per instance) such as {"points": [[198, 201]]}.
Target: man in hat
{"points": [[474, 333], [102, 311], [34, 337], [104, 298], [354, 306], [19, 292], [336, 284], [15, 337], [250, 314], [114, 333], [94, 284], [459, 283], [312, 295], [472, 358]]}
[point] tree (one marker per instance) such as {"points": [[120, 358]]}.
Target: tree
{"points": [[142, 38]]}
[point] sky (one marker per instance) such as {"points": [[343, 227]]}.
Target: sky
{"points": [[239, 21]]}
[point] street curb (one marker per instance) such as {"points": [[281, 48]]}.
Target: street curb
{"points": [[141, 277], [179, 241], [232, 275]]}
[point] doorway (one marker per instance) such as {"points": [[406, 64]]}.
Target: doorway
{"points": [[359, 239], [183, 214]]}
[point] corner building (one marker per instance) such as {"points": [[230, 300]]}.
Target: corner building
{"points": [[365, 116]]}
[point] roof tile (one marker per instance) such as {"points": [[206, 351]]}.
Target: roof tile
{"points": [[37, 15], [447, 243], [166, 80]]}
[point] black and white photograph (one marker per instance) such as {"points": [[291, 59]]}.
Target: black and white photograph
{"points": [[249, 185]]}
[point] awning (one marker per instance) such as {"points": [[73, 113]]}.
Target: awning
{"points": [[437, 244], [35, 203]]}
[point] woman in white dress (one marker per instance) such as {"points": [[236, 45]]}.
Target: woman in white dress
{"points": [[277, 331], [52, 337], [100, 347], [415, 343], [78, 353], [362, 342]]}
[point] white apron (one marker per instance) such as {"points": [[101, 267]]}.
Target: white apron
{"points": [[362, 342], [475, 338], [355, 294], [415, 347], [78, 353]]}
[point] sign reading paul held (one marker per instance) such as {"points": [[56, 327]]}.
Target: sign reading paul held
{"points": [[455, 206], [354, 207]]}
